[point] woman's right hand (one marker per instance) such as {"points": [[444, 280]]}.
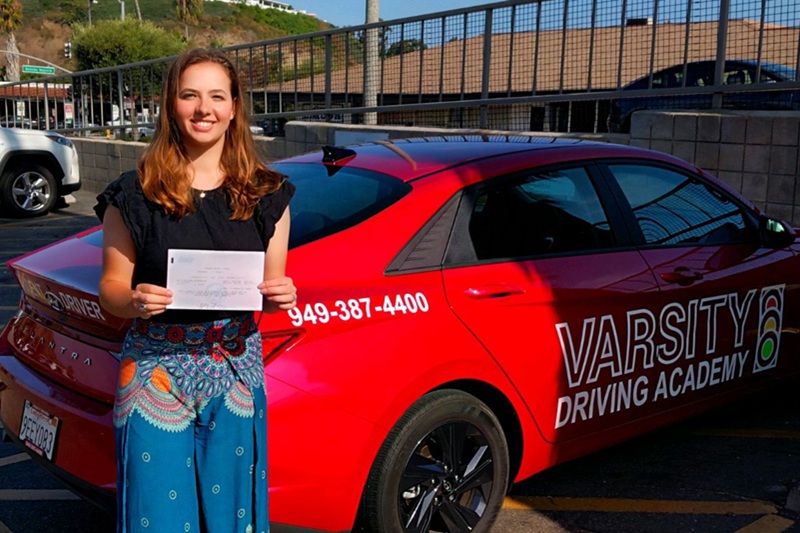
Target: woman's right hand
{"points": [[149, 300]]}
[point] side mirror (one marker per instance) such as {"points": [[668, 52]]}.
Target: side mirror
{"points": [[775, 233]]}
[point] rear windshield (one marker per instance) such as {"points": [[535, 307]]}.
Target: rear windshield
{"points": [[325, 204]]}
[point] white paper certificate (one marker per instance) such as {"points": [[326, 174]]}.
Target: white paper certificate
{"points": [[215, 280]]}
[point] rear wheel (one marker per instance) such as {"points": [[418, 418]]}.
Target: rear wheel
{"points": [[444, 467], [28, 190]]}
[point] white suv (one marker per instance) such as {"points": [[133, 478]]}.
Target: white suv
{"points": [[36, 169]]}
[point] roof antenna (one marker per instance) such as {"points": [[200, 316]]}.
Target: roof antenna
{"points": [[335, 155]]}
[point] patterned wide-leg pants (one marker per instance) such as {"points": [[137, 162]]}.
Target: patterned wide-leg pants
{"points": [[190, 426]]}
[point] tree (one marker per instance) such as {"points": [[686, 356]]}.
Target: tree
{"points": [[189, 11], [10, 21], [404, 47], [110, 43], [66, 12]]}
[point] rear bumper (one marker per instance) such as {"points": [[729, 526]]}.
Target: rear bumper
{"points": [[104, 499], [306, 486], [84, 452]]}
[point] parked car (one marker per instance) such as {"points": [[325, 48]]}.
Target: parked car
{"points": [[77, 123], [144, 131], [471, 311], [80, 124], [701, 74], [16, 122], [147, 131], [36, 169]]}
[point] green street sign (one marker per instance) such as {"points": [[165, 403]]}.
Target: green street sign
{"points": [[35, 69]]}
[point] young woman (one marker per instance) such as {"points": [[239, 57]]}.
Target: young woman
{"points": [[190, 414]]}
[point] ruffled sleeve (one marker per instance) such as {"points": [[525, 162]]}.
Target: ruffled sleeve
{"points": [[125, 193], [271, 208]]}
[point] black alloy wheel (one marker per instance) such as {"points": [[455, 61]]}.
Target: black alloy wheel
{"points": [[444, 467]]}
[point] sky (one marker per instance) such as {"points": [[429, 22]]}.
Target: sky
{"points": [[354, 12]]}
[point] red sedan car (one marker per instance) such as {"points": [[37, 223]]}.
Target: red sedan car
{"points": [[471, 311]]}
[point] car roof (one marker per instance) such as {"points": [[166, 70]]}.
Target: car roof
{"points": [[412, 158], [777, 69]]}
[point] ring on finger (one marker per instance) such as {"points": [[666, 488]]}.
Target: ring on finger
{"points": [[143, 307]]}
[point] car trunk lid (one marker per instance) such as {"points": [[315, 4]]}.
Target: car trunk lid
{"points": [[61, 331]]}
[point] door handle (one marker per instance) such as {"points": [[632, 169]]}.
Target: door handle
{"points": [[495, 290], [682, 276]]}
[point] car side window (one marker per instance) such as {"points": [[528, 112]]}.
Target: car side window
{"points": [[735, 77], [698, 75], [545, 213], [670, 78], [672, 208]]}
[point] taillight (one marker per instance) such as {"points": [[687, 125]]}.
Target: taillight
{"points": [[276, 342]]}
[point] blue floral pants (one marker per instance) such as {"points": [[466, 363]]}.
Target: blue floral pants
{"points": [[190, 423]]}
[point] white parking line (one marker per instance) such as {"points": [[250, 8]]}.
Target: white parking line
{"points": [[768, 524], [13, 459], [628, 505], [11, 495], [29, 494]]}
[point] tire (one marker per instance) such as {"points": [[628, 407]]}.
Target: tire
{"points": [[28, 190], [443, 467]]}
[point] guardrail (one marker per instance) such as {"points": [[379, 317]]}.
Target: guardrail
{"points": [[518, 65]]}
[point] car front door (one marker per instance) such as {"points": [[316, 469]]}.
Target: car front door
{"points": [[719, 316], [545, 279]]}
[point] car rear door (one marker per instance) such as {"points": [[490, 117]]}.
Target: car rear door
{"points": [[543, 276]]}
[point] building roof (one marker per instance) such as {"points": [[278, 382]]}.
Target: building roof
{"points": [[58, 91], [541, 72]]}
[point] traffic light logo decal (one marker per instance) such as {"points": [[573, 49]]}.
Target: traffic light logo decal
{"points": [[769, 328]]}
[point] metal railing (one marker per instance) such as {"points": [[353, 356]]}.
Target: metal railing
{"points": [[519, 65]]}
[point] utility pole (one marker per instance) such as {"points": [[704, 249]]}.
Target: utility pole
{"points": [[121, 9], [89, 7], [371, 58]]}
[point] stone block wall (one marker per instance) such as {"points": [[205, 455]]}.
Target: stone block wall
{"points": [[755, 152], [103, 160]]}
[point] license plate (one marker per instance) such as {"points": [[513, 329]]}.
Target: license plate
{"points": [[39, 430]]}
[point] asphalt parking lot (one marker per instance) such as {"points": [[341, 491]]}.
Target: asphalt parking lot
{"points": [[735, 469]]}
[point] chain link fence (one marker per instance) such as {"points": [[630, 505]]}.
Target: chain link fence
{"points": [[551, 65]]}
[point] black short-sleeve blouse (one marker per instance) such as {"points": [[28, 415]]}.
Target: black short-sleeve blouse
{"points": [[154, 232]]}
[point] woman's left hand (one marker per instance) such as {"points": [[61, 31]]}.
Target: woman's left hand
{"points": [[280, 292]]}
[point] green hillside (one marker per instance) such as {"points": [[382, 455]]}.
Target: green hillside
{"points": [[48, 24], [220, 16]]}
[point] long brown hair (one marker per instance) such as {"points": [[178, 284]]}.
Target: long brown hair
{"points": [[164, 167]]}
